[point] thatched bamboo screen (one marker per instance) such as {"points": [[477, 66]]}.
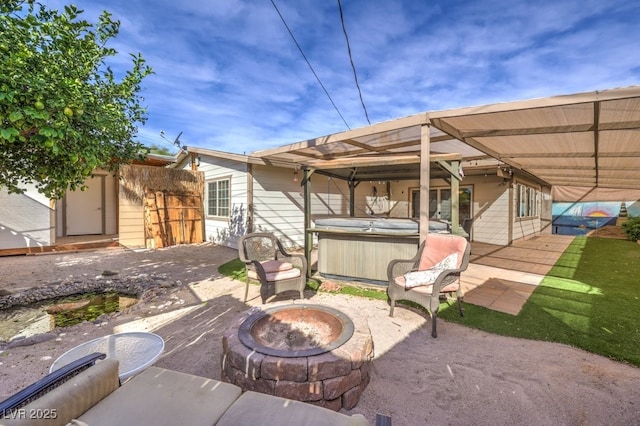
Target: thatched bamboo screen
{"points": [[172, 201]]}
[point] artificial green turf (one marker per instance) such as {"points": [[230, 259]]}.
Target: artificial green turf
{"points": [[590, 299]]}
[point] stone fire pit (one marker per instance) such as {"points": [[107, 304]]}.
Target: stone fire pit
{"points": [[310, 353]]}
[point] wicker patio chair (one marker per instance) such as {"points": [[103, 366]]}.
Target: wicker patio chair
{"points": [[433, 272], [268, 262]]}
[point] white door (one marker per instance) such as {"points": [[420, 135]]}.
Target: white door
{"points": [[84, 208]]}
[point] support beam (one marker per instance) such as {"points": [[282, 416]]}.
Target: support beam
{"points": [[352, 198], [250, 208], [453, 169], [425, 173], [308, 236], [455, 198], [596, 138]]}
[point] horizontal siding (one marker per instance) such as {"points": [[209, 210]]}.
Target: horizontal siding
{"points": [[491, 211], [279, 204], [279, 201], [527, 227], [546, 212], [225, 231], [131, 223], [26, 220], [111, 204]]}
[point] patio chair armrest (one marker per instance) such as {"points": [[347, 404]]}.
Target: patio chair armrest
{"points": [[257, 266], [243, 258], [439, 283], [48, 382], [398, 267], [297, 260], [281, 249]]}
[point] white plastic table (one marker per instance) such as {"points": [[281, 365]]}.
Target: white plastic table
{"points": [[135, 351]]}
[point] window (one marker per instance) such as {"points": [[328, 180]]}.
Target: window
{"points": [[218, 198], [527, 200], [440, 203]]}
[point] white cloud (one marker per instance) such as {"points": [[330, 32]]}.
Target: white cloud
{"points": [[229, 76]]}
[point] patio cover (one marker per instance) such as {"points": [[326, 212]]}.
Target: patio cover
{"points": [[589, 139]]}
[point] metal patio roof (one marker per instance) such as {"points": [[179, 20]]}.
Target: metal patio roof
{"points": [[588, 139]]}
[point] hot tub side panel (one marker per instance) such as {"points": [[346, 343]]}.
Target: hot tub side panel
{"points": [[362, 255]]}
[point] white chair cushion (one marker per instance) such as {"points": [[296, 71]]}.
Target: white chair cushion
{"points": [[428, 277]]}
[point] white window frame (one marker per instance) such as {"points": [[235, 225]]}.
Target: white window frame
{"points": [[216, 206], [527, 201]]}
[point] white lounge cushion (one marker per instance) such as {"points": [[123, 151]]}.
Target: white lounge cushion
{"points": [[256, 409], [164, 397]]}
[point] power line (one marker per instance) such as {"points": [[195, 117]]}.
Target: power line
{"points": [[308, 63], [355, 75]]}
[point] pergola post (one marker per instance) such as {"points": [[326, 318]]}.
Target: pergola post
{"points": [[308, 235], [352, 197], [249, 198], [425, 173], [455, 199]]}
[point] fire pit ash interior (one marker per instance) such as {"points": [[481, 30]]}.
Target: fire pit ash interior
{"points": [[296, 331]]}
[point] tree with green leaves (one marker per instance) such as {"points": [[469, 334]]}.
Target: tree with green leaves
{"points": [[161, 150], [63, 110]]}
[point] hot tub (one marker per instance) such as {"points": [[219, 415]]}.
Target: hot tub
{"points": [[360, 248], [377, 224]]}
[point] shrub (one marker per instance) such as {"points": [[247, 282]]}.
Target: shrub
{"points": [[632, 227]]}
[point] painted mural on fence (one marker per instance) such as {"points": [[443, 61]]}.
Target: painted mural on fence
{"points": [[583, 217]]}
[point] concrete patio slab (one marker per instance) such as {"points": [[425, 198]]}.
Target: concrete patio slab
{"points": [[502, 278]]}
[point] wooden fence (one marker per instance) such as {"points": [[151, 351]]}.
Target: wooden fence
{"points": [[172, 218]]}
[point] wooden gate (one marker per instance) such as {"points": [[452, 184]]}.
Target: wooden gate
{"points": [[172, 218]]}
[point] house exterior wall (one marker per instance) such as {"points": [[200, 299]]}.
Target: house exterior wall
{"points": [[26, 220], [277, 199], [546, 212], [131, 226], [527, 227], [330, 197], [278, 203], [110, 208], [491, 209], [225, 230], [111, 204], [490, 205]]}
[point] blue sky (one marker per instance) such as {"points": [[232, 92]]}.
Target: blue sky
{"points": [[229, 76]]}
